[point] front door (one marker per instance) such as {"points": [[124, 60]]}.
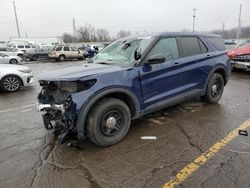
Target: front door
{"points": [[159, 82]]}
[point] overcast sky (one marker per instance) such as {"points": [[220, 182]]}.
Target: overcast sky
{"points": [[48, 18]]}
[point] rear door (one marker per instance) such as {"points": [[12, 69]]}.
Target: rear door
{"points": [[160, 82], [67, 52], [194, 62]]}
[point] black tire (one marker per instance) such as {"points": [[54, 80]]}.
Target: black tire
{"points": [[108, 122], [61, 58], [13, 61], [34, 58], [11, 83], [215, 88]]}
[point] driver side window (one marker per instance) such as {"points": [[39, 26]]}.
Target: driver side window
{"points": [[166, 47]]}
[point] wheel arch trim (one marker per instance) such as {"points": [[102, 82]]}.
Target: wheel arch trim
{"points": [[86, 107]]}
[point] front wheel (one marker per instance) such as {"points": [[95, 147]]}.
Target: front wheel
{"points": [[215, 88], [11, 83], [108, 122]]}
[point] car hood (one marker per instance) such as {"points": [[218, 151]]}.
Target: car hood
{"points": [[244, 50], [78, 72], [13, 67]]}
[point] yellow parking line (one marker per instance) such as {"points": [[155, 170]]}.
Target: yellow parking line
{"points": [[188, 170], [16, 108]]}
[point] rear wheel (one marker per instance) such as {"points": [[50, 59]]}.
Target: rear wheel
{"points": [[215, 88], [11, 83], [108, 122]]}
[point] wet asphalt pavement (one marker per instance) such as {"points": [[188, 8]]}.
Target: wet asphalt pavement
{"points": [[31, 157]]}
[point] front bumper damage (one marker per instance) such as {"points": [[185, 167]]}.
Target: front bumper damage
{"points": [[59, 105], [59, 110]]}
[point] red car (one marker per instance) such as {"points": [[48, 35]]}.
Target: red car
{"points": [[241, 57]]}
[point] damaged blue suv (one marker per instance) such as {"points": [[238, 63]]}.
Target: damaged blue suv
{"points": [[130, 78]]}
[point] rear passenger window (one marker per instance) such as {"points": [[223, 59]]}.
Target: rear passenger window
{"points": [[167, 47], [58, 48], [27, 46], [20, 46], [190, 46], [66, 49], [217, 43]]}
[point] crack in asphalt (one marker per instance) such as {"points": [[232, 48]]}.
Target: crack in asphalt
{"points": [[41, 159], [90, 178], [44, 155], [189, 138], [24, 143]]}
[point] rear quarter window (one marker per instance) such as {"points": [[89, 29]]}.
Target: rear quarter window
{"points": [[217, 43]]}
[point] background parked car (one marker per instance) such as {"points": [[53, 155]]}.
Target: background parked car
{"points": [[24, 47], [5, 59], [34, 53], [11, 51], [241, 57], [62, 53], [230, 42], [12, 77], [90, 52]]}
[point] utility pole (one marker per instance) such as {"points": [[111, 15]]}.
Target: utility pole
{"points": [[18, 31], [74, 29], [239, 23], [223, 30], [194, 18]]}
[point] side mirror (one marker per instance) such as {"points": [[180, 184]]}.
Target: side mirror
{"points": [[155, 59]]}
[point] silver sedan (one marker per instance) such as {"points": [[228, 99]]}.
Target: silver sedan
{"points": [[5, 59], [12, 77]]}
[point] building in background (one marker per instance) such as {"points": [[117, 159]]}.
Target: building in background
{"points": [[36, 40]]}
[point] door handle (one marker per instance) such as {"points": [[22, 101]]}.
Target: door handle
{"points": [[175, 64]]}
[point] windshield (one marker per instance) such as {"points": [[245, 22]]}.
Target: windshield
{"points": [[123, 51]]}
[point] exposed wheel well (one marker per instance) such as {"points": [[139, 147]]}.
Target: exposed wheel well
{"points": [[223, 74]]}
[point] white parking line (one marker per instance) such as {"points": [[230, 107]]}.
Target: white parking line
{"points": [[16, 108]]}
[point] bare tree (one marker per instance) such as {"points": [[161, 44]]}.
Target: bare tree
{"points": [[123, 33], [67, 37], [86, 33], [103, 35]]}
